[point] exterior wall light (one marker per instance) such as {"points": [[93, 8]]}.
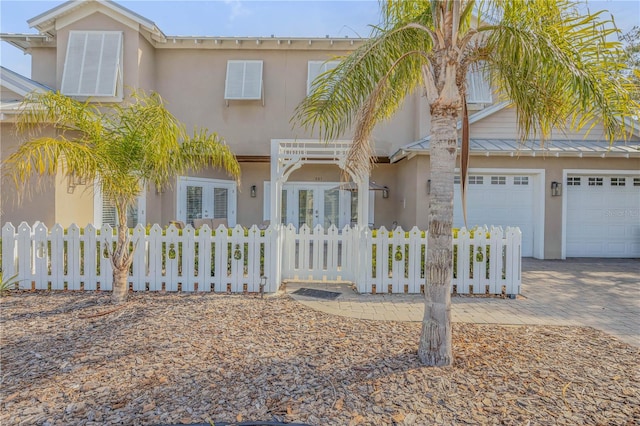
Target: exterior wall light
{"points": [[428, 186], [385, 192], [556, 189], [253, 191]]}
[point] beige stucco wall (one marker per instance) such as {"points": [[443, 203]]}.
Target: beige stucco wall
{"points": [[146, 65], [37, 202], [193, 83], [76, 207], [43, 66]]}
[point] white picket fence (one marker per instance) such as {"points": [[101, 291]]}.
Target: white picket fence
{"points": [[488, 261], [221, 260], [234, 260]]}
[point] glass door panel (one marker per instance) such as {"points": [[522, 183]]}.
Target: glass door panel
{"points": [[194, 203], [306, 208], [331, 208]]}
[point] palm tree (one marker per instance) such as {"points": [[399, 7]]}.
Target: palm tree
{"points": [[556, 66], [121, 147]]}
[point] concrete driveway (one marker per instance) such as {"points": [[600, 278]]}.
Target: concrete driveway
{"points": [[600, 293]]}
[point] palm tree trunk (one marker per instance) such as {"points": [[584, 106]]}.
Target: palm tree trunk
{"points": [[121, 258], [435, 340]]}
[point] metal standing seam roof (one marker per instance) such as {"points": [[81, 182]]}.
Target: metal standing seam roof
{"points": [[513, 147], [19, 83]]}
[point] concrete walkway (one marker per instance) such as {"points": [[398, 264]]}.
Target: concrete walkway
{"points": [[600, 293]]}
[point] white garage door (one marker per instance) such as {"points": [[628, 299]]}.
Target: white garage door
{"points": [[498, 200], [603, 216]]}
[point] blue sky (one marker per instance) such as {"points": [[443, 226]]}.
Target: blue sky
{"points": [[299, 18]]}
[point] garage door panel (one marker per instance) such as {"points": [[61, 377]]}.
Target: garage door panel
{"points": [[602, 221], [616, 249], [498, 205], [618, 231]]}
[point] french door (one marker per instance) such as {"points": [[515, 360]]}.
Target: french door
{"points": [[200, 198], [312, 203]]}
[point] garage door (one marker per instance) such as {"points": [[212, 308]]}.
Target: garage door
{"points": [[603, 216], [498, 200]]}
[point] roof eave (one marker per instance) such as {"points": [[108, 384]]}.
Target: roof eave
{"points": [[45, 22]]}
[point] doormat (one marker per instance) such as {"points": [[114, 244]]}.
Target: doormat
{"points": [[319, 294]]}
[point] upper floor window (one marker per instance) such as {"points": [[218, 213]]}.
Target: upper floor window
{"points": [[315, 68], [244, 80], [93, 65], [478, 87]]}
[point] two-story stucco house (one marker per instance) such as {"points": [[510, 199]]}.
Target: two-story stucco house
{"points": [[576, 196]]}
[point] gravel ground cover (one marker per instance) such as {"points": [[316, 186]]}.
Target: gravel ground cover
{"points": [[71, 359]]}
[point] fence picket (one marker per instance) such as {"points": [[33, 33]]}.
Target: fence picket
{"points": [[156, 257], [41, 256], [139, 275], [89, 259]]}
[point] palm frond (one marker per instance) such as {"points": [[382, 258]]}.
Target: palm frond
{"points": [[558, 68]]}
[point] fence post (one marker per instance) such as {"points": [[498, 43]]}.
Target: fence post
{"points": [[514, 260], [363, 236], [9, 246]]}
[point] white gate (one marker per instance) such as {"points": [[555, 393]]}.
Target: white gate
{"points": [[313, 254]]}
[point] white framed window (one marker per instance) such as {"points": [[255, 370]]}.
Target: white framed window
{"points": [[478, 87], [244, 80], [618, 181], [93, 64], [315, 68], [498, 180], [476, 180], [636, 181], [201, 198], [104, 210], [596, 181], [521, 180], [573, 181]]}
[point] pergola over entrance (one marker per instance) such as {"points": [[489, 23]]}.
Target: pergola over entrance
{"points": [[288, 155]]}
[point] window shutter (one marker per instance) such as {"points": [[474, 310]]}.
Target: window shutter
{"points": [[109, 213], [315, 68], [93, 63], [244, 80], [478, 88]]}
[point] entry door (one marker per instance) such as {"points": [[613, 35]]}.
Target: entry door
{"points": [[317, 205], [206, 199]]}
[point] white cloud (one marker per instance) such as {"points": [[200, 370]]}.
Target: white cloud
{"points": [[237, 9]]}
